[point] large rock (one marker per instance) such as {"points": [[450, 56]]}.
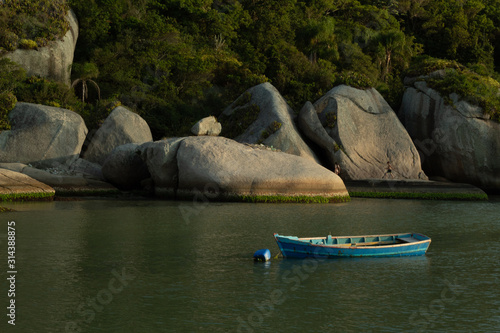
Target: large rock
{"points": [[207, 126], [313, 129], [457, 142], [358, 130], [124, 167], [17, 186], [84, 168], [261, 115], [161, 160], [220, 167], [42, 134], [122, 126], [62, 182], [53, 61]]}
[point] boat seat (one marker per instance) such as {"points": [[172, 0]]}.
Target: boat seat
{"points": [[408, 239]]}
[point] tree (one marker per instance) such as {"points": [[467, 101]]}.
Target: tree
{"points": [[85, 73], [394, 47]]}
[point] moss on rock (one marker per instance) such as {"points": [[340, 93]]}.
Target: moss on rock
{"points": [[236, 123]]}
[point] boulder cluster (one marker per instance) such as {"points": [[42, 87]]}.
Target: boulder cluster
{"points": [[53, 146], [348, 134]]}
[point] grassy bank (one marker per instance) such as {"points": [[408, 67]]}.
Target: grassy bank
{"points": [[201, 197], [38, 196], [291, 199]]}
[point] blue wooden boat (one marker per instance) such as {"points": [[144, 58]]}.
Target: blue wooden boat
{"points": [[393, 245]]}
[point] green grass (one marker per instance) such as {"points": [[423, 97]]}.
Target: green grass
{"points": [[38, 196], [423, 196], [4, 209], [292, 199], [224, 197]]}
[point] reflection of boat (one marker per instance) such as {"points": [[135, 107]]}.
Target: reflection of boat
{"points": [[393, 245]]}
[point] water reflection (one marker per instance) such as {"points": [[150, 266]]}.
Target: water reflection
{"points": [[199, 274]]}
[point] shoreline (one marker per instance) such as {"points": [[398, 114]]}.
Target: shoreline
{"points": [[413, 189], [367, 188]]}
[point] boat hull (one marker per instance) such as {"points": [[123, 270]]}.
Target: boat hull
{"points": [[293, 247]]}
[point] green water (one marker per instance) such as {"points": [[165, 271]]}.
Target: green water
{"points": [[161, 266]]}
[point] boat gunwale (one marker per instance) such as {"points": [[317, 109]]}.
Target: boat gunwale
{"points": [[348, 246]]}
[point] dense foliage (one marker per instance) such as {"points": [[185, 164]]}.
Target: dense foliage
{"points": [[174, 61]]}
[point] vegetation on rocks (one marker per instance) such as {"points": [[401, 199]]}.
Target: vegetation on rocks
{"points": [[29, 24], [331, 119], [242, 117], [475, 84], [10, 75], [270, 130], [475, 88], [7, 103]]}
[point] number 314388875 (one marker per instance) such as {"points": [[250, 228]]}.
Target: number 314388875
{"points": [[11, 250]]}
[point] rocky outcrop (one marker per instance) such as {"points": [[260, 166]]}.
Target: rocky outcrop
{"points": [[17, 186], [53, 61], [60, 181], [455, 140], [125, 168], [161, 160], [122, 126], [312, 128], [261, 115], [207, 126], [222, 168], [83, 168], [42, 135], [358, 130]]}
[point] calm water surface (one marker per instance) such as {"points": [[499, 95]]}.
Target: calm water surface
{"points": [[161, 266]]}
